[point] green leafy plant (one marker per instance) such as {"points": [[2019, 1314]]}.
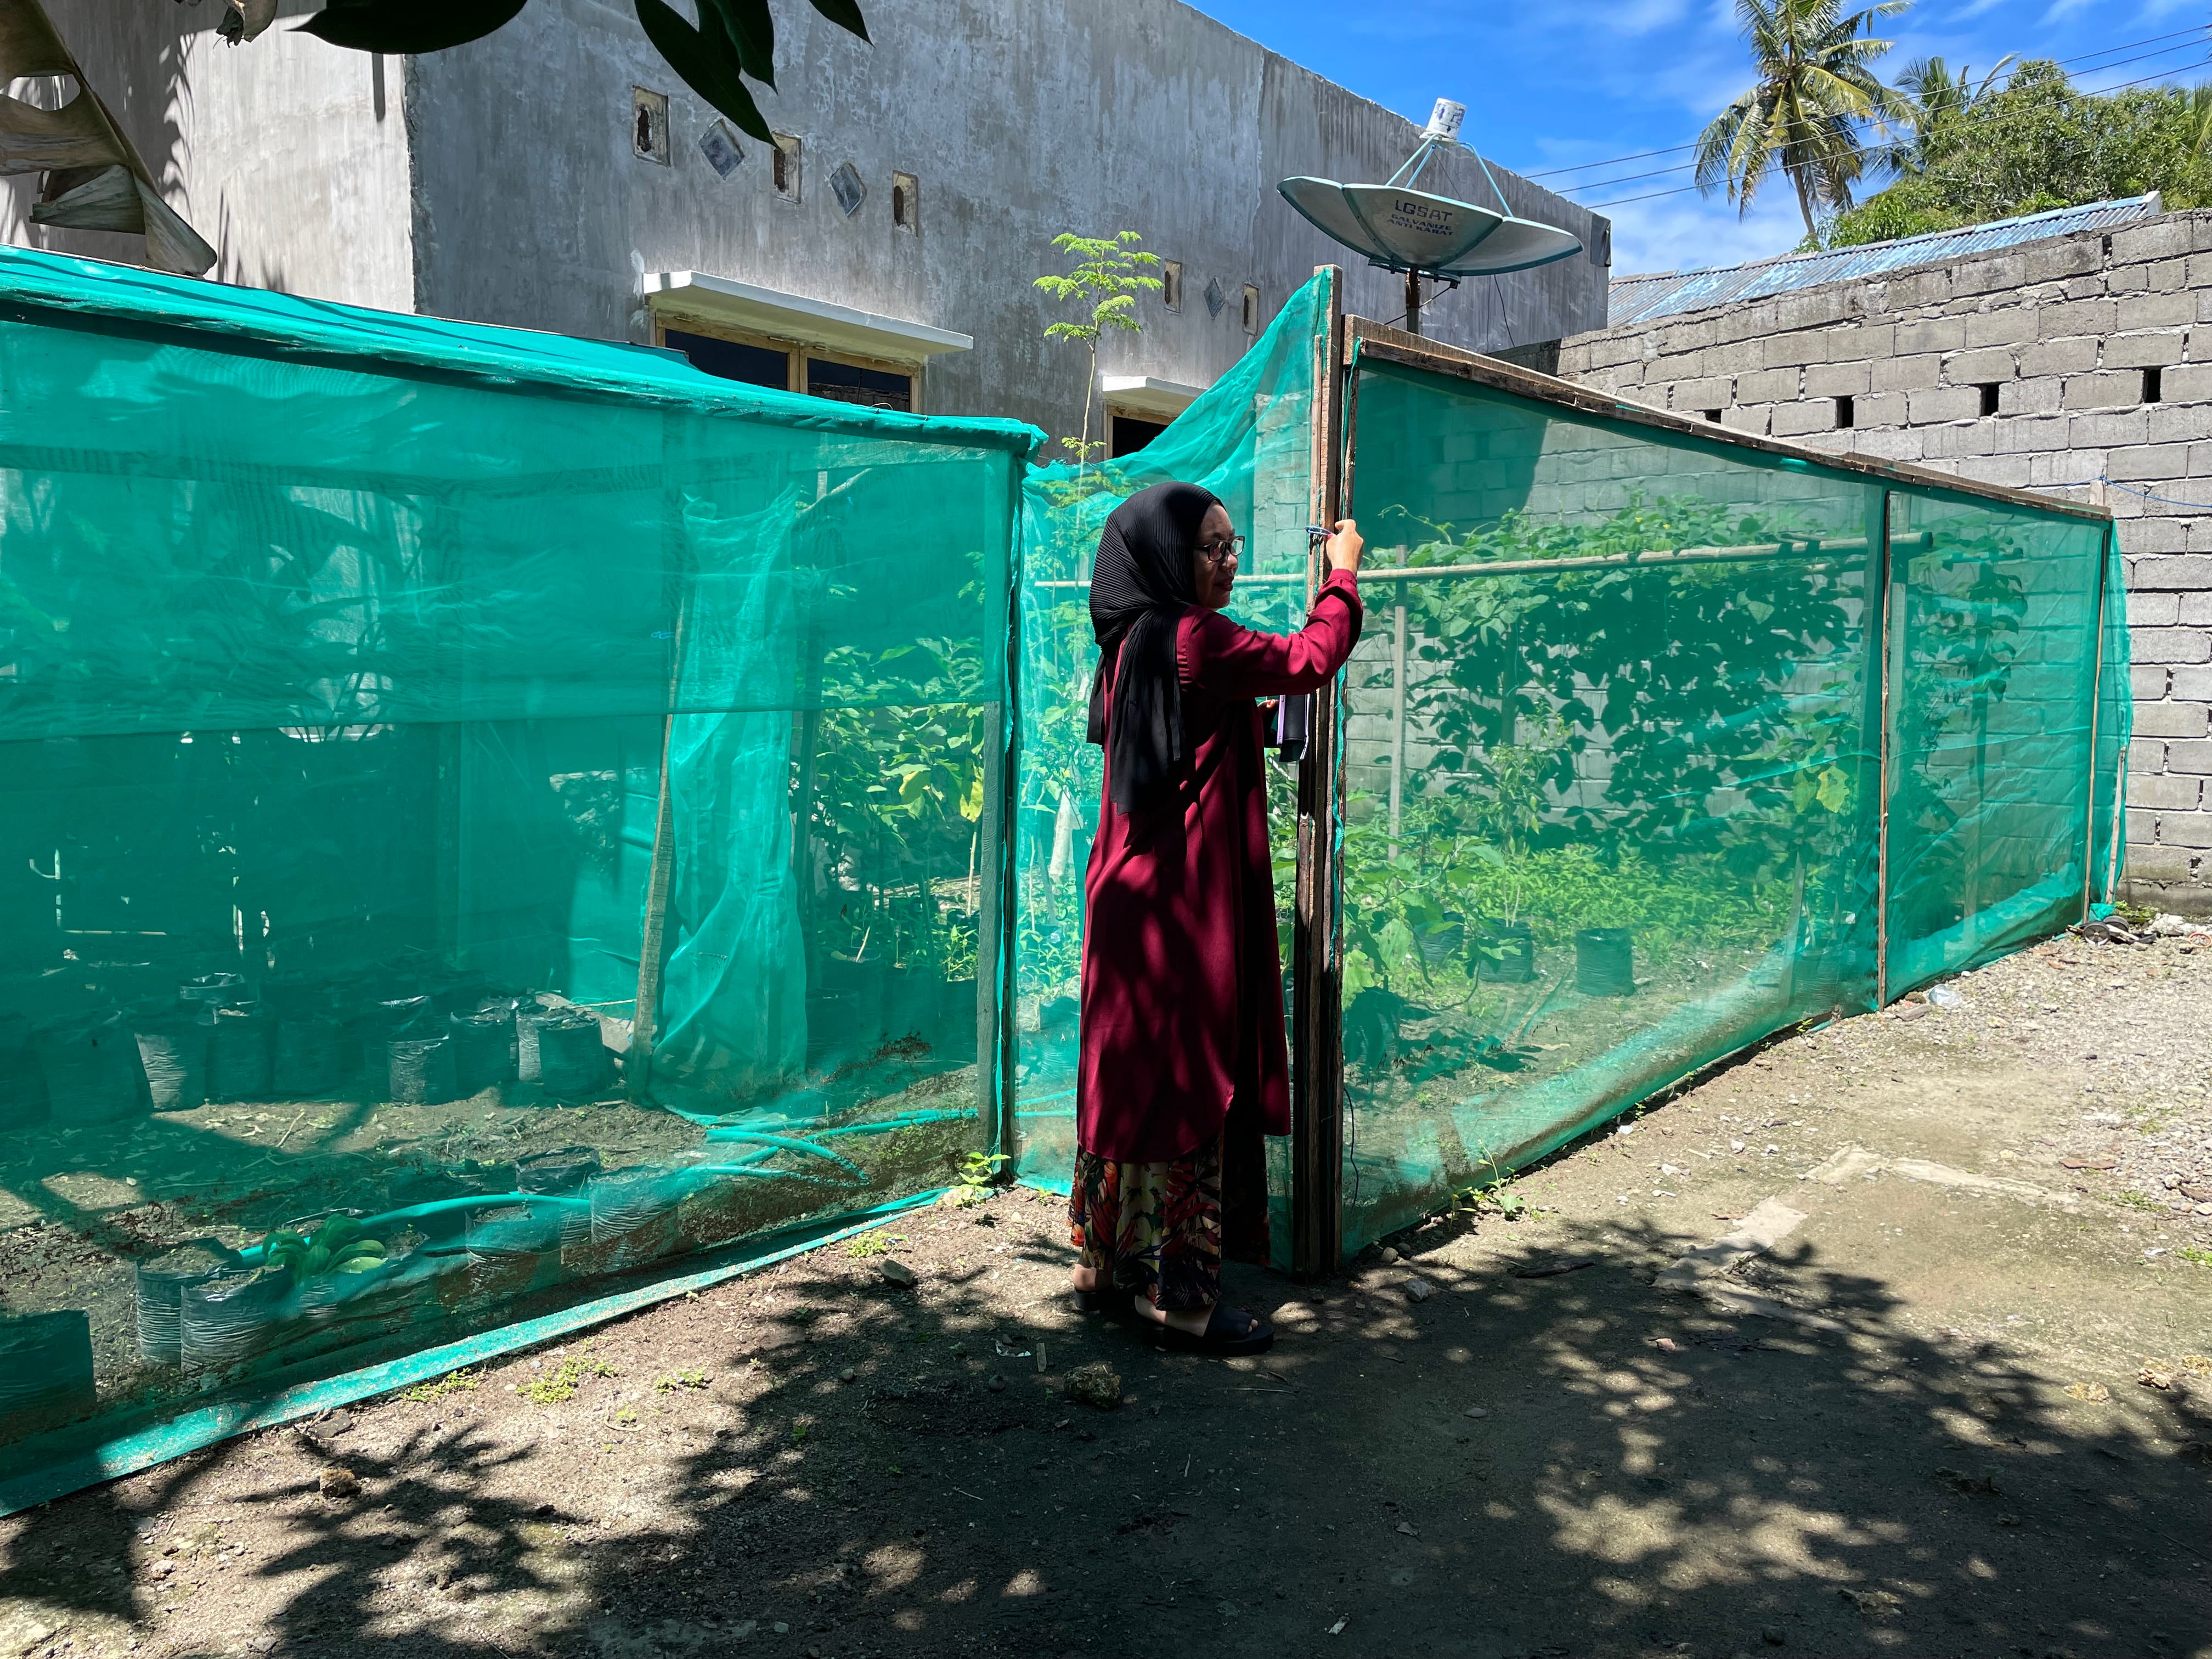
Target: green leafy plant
{"points": [[337, 1246], [1496, 1191], [554, 1387], [979, 1171], [676, 1380], [1106, 275], [1980, 153], [460, 1382]]}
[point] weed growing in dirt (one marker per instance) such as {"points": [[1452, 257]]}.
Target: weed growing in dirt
{"points": [[2196, 1253], [1496, 1191], [676, 1380], [979, 1171], [460, 1382], [560, 1383], [2136, 1201]]}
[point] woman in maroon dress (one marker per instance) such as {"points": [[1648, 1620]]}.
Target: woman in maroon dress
{"points": [[1183, 1066]]}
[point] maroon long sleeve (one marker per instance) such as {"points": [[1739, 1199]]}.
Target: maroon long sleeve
{"points": [[1182, 988]]}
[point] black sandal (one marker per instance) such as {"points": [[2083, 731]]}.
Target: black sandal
{"points": [[1104, 1300], [1229, 1332]]}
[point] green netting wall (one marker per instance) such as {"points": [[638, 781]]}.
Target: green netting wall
{"points": [[346, 663], [1613, 757], [1249, 440]]}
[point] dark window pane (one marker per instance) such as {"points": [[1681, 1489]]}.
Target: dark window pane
{"points": [[754, 365], [1131, 434], [872, 387]]}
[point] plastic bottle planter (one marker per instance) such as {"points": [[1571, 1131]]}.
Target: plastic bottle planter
{"points": [[239, 1048], [93, 1075], [173, 1053], [571, 1061], [526, 1018], [45, 1371], [512, 1249], [1506, 954], [162, 1283], [483, 1049], [231, 1317], [1605, 965], [563, 1173], [420, 1066], [22, 1085], [633, 1219], [310, 1056]]}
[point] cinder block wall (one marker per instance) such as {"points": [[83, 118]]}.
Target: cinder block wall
{"points": [[2096, 350]]}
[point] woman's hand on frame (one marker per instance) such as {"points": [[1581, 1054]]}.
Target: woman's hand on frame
{"points": [[1345, 548]]}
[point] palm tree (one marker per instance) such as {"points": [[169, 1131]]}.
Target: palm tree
{"points": [[1807, 113], [1934, 103]]}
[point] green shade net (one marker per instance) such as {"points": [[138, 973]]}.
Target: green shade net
{"points": [[1995, 658], [1612, 753], [1248, 439], [346, 661]]}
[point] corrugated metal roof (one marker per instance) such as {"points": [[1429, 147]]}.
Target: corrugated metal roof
{"points": [[1641, 299]]}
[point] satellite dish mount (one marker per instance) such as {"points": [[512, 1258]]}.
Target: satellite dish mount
{"points": [[1399, 227]]}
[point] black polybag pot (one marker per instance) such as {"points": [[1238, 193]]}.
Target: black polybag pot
{"points": [[483, 1049], [1605, 962], [310, 1056], [571, 1060], [1507, 955], [93, 1075], [240, 1054], [22, 1086], [46, 1370]]}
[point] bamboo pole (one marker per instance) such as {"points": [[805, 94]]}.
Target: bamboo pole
{"points": [[1317, 1024], [1397, 721], [1417, 572], [651, 950]]}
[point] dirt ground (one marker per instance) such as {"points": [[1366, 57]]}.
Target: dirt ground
{"points": [[1911, 1424]]}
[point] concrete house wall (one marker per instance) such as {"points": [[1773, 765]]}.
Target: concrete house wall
{"points": [[2064, 330], [497, 182]]}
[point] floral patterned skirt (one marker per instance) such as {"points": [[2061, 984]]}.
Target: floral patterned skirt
{"points": [[1159, 1229]]}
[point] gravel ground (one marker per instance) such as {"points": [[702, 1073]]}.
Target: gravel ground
{"points": [[1939, 1388]]}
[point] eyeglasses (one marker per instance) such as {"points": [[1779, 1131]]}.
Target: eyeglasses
{"points": [[1221, 552]]}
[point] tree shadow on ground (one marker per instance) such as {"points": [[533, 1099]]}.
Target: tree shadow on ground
{"points": [[880, 1472]]}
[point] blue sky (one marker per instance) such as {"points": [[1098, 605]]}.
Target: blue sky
{"points": [[1551, 83]]}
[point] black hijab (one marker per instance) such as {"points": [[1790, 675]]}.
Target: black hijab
{"points": [[1140, 585]]}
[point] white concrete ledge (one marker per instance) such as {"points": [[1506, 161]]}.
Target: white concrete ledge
{"points": [[1140, 394], [676, 294]]}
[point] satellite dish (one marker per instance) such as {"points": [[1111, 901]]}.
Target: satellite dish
{"points": [[1401, 228]]}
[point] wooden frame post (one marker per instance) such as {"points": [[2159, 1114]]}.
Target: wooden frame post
{"points": [[2096, 704], [1317, 1023], [1888, 641]]}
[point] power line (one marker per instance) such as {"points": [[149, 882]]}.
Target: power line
{"points": [[1672, 150], [1622, 201]]}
